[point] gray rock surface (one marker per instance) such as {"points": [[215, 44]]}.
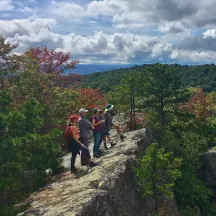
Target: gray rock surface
{"points": [[108, 189], [209, 169]]}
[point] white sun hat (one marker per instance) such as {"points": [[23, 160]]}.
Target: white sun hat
{"points": [[82, 110]]}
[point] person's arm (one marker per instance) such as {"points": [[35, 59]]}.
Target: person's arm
{"points": [[96, 124]]}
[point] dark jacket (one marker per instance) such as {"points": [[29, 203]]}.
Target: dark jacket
{"points": [[108, 121]]}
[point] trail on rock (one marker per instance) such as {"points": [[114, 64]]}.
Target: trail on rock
{"points": [[108, 189]]}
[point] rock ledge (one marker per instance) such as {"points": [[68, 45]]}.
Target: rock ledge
{"points": [[105, 190]]}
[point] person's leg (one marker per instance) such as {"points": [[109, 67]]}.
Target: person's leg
{"points": [[97, 136], [104, 139], [100, 141], [85, 155], [109, 138], [73, 160], [88, 161], [118, 129], [95, 147]]}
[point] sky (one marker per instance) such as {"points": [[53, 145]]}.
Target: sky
{"points": [[115, 31]]}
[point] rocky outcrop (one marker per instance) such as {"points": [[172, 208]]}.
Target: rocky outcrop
{"points": [[209, 169], [108, 189]]}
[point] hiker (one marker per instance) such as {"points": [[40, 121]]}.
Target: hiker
{"points": [[85, 127], [74, 144], [104, 134], [109, 122], [96, 122], [101, 116]]}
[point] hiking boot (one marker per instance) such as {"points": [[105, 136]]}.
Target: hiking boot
{"points": [[96, 155], [112, 144], [92, 164], [84, 163], [105, 146], [100, 152], [74, 170], [122, 137]]}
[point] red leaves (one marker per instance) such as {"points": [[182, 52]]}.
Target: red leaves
{"points": [[50, 61], [199, 104], [54, 63], [90, 98]]}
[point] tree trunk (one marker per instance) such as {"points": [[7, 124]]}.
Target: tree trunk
{"points": [[46, 126], [131, 110], [134, 112], [155, 196], [162, 113]]}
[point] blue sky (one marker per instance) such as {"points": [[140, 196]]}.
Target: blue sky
{"points": [[115, 31]]}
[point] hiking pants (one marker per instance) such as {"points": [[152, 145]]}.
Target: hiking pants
{"points": [[74, 155], [97, 142], [85, 155]]}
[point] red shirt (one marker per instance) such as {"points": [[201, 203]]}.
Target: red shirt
{"points": [[68, 132]]}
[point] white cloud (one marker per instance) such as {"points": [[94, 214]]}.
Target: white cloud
{"points": [[159, 49], [126, 29], [66, 9], [171, 16], [209, 33], [25, 27], [38, 32], [105, 8], [6, 5], [194, 56]]}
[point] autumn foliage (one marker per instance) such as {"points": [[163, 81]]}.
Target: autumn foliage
{"points": [[36, 100], [199, 105], [50, 61], [54, 63], [91, 98]]}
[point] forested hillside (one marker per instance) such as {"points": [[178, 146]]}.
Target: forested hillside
{"points": [[34, 108], [202, 75], [177, 103]]}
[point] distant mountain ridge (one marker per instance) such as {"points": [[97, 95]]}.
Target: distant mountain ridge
{"points": [[203, 76], [91, 68]]}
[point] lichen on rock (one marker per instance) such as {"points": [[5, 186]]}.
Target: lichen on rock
{"points": [[108, 189]]}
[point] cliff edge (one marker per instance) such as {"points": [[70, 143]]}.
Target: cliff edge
{"points": [[108, 189]]}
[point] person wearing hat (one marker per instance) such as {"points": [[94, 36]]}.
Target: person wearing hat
{"points": [[74, 144], [96, 122], [85, 127], [104, 134], [109, 122]]}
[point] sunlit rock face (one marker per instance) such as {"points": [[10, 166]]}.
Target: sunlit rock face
{"points": [[108, 189], [209, 170]]}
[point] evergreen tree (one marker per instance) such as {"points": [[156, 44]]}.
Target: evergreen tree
{"points": [[157, 173], [8, 64], [126, 95], [24, 153]]}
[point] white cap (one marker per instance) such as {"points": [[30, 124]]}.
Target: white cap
{"points": [[82, 110]]}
